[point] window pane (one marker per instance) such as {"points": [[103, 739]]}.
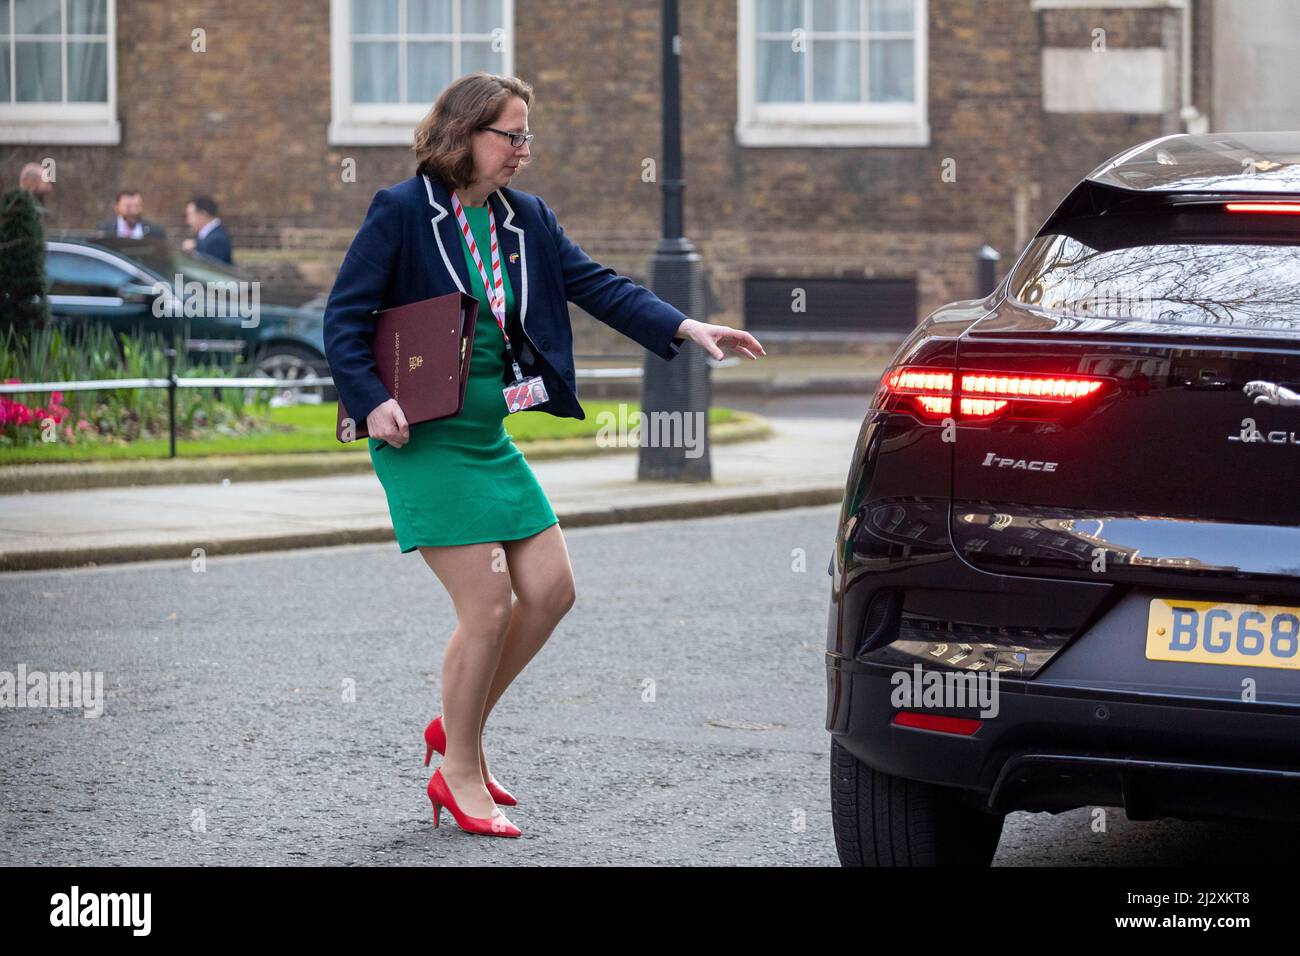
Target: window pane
{"points": [[87, 71], [4, 17], [88, 16], [1250, 286], [36, 16], [73, 274], [374, 72], [837, 76], [4, 73], [38, 72], [480, 56], [780, 72], [890, 64], [428, 16], [835, 15], [480, 16], [374, 16], [428, 71], [890, 15], [779, 16]]}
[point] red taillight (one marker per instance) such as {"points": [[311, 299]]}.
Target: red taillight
{"points": [[906, 380], [945, 725], [1038, 388], [1273, 208], [982, 395]]}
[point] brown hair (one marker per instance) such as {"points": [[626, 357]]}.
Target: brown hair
{"points": [[442, 140]]}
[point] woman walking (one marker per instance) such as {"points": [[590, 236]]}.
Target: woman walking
{"points": [[458, 488]]}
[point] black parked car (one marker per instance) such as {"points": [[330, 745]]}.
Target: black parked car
{"points": [[1084, 484], [118, 282]]}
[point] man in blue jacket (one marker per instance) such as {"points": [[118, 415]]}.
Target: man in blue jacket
{"points": [[211, 237]]}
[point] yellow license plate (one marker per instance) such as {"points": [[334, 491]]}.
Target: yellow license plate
{"points": [[1206, 632]]}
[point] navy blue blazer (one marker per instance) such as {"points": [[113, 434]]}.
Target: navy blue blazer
{"points": [[216, 244], [408, 249]]}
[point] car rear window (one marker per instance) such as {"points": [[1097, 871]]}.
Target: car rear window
{"points": [[1252, 286]]}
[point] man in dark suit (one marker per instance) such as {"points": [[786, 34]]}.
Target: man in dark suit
{"points": [[129, 220], [211, 237]]}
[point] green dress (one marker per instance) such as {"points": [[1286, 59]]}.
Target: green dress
{"points": [[462, 480]]}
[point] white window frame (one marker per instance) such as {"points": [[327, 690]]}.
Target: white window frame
{"points": [[385, 124], [828, 124], [73, 124]]}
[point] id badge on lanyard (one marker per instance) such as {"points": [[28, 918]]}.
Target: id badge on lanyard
{"points": [[522, 393]]}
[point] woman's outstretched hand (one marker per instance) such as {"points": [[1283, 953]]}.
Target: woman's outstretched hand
{"points": [[712, 338]]}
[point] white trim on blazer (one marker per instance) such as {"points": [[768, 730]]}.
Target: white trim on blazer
{"points": [[442, 213], [523, 259], [506, 224]]}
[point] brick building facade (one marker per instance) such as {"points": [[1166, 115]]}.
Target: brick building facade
{"points": [[965, 130]]}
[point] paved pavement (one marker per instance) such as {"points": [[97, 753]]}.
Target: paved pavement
{"points": [[805, 463]]}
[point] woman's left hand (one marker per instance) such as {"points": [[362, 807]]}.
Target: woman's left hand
{"points": [[712, 337]]}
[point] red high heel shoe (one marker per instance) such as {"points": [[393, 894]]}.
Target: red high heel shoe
{"points": [[435, 738], [440, 796]]}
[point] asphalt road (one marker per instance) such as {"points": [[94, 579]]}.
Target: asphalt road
{"points": [[228, 738]]}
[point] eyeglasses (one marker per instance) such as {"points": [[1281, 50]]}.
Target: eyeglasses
{"points": [[516, 139]]}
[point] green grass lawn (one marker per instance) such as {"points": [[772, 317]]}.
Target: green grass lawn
{"points": [[310, 428]]}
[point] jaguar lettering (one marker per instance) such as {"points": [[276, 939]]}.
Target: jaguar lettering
{"points": [[1250, 433]]}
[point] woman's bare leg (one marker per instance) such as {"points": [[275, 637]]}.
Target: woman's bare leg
{"points": [[481, 596], [542, 577]]}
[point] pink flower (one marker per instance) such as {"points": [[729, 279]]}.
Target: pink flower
{"points": [[56, 398]]}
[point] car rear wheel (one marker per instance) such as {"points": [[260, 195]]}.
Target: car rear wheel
{"points": [[883, 820], [287, 362]]}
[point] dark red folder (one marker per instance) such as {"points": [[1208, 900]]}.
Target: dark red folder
{"points": [[423, 352]]}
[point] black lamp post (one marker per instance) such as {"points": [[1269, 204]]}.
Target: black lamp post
{"points": [[675, 396]]}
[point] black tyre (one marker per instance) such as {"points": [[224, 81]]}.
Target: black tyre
{"points": [[882, 820], [288, 361]]}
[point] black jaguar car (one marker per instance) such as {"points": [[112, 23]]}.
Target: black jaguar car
{"points": [[1067, 565], [124, 284]]}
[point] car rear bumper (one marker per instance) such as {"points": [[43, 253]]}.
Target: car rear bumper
{"points": [[1060, 747]]}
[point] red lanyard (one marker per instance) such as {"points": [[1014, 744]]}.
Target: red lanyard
{"points": [[496, 291]]}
